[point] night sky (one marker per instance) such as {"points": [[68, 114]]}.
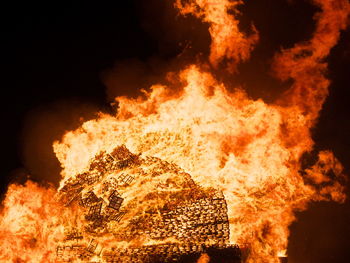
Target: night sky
{"points": [[63, 62]]}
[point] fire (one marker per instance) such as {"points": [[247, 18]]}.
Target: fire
{"points": [[204, 259], [227, 40], [248, 149], [31, 224]]}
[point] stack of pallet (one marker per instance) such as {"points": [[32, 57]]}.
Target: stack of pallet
{"points": [[189, 219]]}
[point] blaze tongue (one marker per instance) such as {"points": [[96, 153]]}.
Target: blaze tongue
{"points": [[204, 259], [227, 40]]}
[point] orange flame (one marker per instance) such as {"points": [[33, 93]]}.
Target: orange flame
{"points": [[304, 63], [248, 149], [227, 40], [204, 258], [31, 224]]}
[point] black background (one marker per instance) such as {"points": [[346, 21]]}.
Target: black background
{"points": [[62, 62]]}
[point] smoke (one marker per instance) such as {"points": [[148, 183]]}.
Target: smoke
{"points": [[44, 125], [129, 77], [172, 33], [178, 41]]}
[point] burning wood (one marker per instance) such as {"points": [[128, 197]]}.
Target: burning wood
{"points": [[191, 221]]}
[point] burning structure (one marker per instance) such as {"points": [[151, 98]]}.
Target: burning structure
{"points": [[176, 172], [188, 221]]}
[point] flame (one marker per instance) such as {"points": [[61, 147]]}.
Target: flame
{"points": [[304, 63], [248, 149], [204, 258], [227, 40], [31, 224], [223, 140]]}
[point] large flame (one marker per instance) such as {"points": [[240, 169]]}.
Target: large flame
{"points": [[248, 149]]}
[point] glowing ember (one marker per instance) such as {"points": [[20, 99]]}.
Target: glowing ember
{"points": [[199, 141]]}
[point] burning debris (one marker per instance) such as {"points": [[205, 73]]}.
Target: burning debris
{"points": [[190, 221]]}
